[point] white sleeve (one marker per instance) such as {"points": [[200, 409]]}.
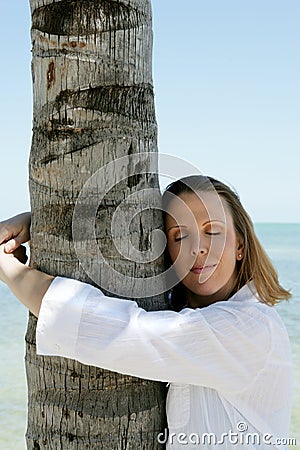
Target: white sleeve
{"points": [[222, 346]]}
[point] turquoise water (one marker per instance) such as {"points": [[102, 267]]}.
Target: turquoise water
{"points": [[282, 242], [13, 320]]}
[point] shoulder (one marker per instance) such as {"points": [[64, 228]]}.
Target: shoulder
{"points": [[244, 312]]}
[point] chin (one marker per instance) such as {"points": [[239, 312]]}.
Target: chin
{"points": [[202, 290]]}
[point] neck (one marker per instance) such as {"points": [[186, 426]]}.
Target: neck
{"points": [[200, 301]]}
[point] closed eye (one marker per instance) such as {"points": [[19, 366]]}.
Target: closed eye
{"points": [[180, 238], [213, 234]]}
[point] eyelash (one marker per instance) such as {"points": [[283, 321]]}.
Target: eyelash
{"points": [[180, 238], [183, 237]]}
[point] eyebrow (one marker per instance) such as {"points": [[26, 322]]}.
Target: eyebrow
{"points": [[176, 226], [205, 223], [214, 220]]}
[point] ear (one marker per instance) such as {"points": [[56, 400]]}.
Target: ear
{"points": [[240, 248]]}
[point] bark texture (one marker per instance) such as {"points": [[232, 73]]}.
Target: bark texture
{"points": [[93, 103]]}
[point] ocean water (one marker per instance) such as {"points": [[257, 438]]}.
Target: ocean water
{"points": [[282, 242]]}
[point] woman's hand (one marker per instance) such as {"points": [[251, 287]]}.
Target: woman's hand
{"points": [[28, 285], [9, 265], [15, 231]]}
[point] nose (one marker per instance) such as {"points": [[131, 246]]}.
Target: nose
{"points": [[199, 246]]}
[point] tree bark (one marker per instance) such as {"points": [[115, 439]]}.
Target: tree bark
{"points": [[93, 103]]}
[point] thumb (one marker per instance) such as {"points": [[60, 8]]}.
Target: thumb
{"points": [[12, 245]]}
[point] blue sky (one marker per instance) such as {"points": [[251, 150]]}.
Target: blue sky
{"points": [[227, 83]]}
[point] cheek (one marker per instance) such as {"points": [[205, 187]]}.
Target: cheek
{"points": [[223, 248], [179, 253], [230, 247], [218, 247], [173, 251]]}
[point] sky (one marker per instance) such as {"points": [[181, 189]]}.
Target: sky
{"points": [[227, 92]]}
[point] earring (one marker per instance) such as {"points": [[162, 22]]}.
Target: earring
{"points": [[240, 256]]}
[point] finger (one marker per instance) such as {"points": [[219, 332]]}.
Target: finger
{"points": [[12, 245], [4, 235]]}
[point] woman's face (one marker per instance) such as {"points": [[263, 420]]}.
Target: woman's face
{"points": [[203, 246]]}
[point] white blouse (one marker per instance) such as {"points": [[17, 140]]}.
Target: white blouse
{"points": [[228, 364]]}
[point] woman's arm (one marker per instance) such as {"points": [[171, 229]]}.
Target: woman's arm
{"points": [[223, 346], [28, 285]]}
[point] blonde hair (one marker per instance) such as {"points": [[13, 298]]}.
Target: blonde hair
{"points": [[255, 265]]}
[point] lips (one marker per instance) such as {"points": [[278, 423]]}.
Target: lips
{"points": [[203, 269]]}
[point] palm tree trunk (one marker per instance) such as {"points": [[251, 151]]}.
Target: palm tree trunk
{"points": [[93, 103]]}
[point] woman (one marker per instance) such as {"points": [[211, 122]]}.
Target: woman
{"points": [[225, 352]]}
